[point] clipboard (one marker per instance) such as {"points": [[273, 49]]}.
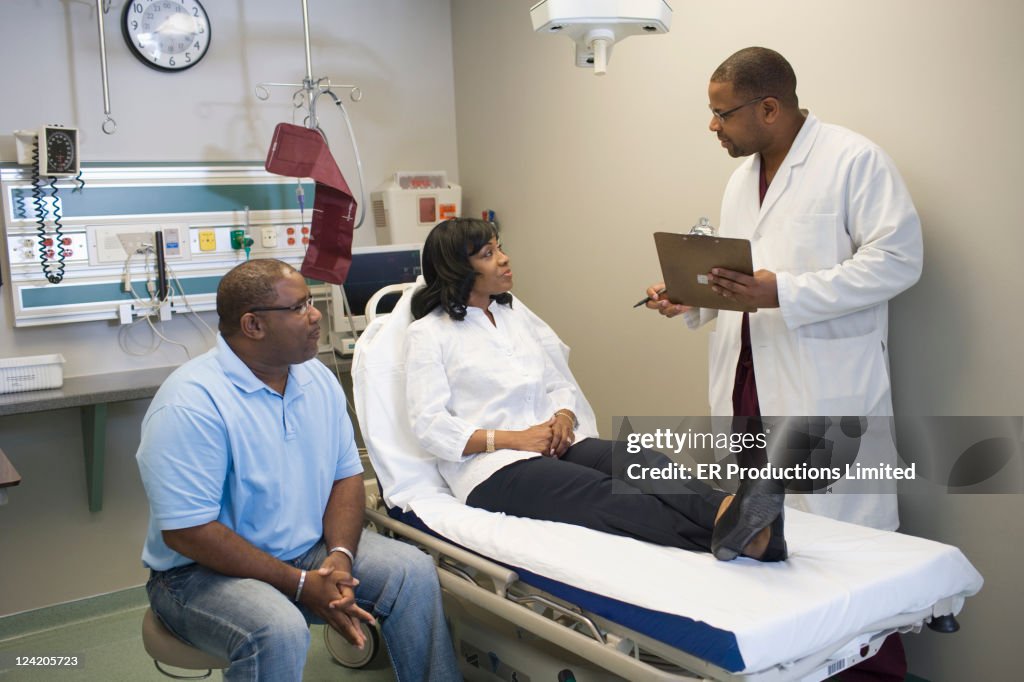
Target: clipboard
{"points": [[686, 260]]}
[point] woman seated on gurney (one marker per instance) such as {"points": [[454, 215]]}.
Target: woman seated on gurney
{"points": [[486, 400]]}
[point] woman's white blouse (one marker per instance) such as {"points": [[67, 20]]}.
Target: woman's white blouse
{"points": [[469, 375]]}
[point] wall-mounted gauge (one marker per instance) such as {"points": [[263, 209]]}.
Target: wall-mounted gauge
{"points": [[167, 35], [58, 152]]}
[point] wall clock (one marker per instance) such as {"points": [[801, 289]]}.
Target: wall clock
{"points": [[167, 35]]}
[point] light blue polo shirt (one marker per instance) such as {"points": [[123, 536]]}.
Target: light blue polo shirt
{"points": [[220, 445]]}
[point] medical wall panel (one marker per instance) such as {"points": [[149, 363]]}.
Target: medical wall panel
{"points": [[105, 224]]}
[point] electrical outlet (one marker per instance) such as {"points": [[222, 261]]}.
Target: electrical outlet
{"points": [[268, 237], [207, 240], [25, 250]]}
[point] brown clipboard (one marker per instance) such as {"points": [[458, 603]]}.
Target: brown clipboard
{"points": [[686, 260]]}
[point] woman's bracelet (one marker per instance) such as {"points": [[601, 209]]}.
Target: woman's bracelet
{"points": [[490, 440], [568, 415]]}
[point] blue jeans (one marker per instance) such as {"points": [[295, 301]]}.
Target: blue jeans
{"points": [[265, 634]]}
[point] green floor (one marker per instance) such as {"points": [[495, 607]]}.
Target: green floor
{"points": [[105, 634]]}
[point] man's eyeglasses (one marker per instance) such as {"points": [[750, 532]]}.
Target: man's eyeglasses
{"points": [[300, 308], [722, 115]]}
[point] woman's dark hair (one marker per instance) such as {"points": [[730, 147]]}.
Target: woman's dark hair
{"points": [[447, 269]]}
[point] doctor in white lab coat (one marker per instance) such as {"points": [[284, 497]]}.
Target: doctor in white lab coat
{"points": [[834, 236]]}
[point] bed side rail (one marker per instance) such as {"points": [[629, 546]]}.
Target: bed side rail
{"points": [[502, 577], [604, 655]]}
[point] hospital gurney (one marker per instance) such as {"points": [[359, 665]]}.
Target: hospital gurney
{"points": [[531, 599]]}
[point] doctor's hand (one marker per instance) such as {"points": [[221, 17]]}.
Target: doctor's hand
{"points": [[537, 438], [759, 290], [661, 303]]}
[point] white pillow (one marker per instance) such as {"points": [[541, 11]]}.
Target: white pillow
{"points": [[404, 470]]}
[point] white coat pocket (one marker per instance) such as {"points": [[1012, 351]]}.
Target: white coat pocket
{"points": [[845, 376]]}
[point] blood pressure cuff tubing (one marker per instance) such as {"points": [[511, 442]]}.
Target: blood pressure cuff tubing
{"points": [[299, 152]]}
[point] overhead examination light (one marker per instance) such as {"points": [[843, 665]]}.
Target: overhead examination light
{"points": [[595, 25]]}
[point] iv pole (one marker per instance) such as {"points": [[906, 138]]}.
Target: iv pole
{"points": [[109, 124], [307, 94]]}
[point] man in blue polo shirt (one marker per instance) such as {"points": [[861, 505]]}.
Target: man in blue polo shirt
{"points": [[256, 500]]}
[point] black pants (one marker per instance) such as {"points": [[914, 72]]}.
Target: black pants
{"points": [[583, 489]]}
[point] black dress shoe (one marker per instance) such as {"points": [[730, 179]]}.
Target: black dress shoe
{"points": [[757, 504]]}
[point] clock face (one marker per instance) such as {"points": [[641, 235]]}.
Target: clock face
{"points": [[169, 35]]}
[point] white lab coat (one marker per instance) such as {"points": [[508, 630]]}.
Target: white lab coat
{"points": [[840, 231]]}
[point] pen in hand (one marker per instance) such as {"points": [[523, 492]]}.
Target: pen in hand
{"points": [[660, 292]]}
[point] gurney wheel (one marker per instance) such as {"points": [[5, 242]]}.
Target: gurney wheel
{"points": [[346, 654]]}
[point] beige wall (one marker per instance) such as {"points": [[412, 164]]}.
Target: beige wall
{"points": [[582, 169], [398, 51], [54, 549]]}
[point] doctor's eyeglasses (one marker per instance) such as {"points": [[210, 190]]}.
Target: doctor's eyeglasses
{"points": [[723, 115], [300, 308]]}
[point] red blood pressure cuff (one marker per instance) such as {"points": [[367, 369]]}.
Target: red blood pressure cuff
{"points": [[299, 152]]}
